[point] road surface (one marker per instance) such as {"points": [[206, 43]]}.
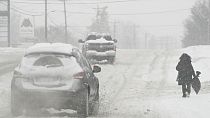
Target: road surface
{"points": [[141, 84]]}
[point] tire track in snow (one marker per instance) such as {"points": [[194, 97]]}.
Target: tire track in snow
{"points": [[150, 90], [112, 98], [153, 86], [7, 68], [123, 85], [129, 72]]}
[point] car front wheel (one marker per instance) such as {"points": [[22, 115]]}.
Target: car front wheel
{"points": [[111, 60]]}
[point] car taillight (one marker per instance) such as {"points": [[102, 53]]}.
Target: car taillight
{"points": [[17, 74], [79, 75], [86, 46]]}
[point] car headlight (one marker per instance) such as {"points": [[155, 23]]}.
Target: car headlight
{"points": [[111, 46], [86, 46]]}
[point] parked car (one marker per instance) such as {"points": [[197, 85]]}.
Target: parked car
{"points": [[99, 47], [54, 75]]}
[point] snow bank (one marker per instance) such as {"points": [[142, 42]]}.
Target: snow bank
{"points": [[5, 50], [10, 55], [5, 93], [198, 51], [200, 60], [177, 107]]}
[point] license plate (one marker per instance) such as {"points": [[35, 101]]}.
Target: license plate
{"points": [[47, 81]]}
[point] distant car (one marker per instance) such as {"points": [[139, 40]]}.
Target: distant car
{"points": [[54, 75], [99, 47]]}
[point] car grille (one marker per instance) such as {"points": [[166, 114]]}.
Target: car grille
{"points": [[101, 47]]}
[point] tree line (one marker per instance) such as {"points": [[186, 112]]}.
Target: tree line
{"points": [[197, 26]]}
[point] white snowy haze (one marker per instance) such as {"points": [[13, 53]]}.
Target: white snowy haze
{"points": [[146, 20], [138, 82]]}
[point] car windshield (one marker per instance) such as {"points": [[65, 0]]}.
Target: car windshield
{"points": [[107, 37], [48, 60], [94, 37], [91, 37]]}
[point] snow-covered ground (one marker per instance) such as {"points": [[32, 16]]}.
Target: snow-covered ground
{"points": [[141, 84]]}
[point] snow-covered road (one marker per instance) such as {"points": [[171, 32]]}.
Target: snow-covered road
{"points": [[141, 84], [134, 85]]}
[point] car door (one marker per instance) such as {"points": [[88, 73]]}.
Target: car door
{"points": [[90, 76], [94, 79]]}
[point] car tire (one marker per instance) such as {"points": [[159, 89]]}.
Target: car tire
{"points": [[111, 60], [16, 104], [83, 110]]}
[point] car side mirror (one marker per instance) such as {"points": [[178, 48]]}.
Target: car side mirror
{"points": [[115, 40], [81, 41], [96, 69]]}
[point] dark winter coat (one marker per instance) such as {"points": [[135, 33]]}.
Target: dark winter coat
{"points": [[185, 72]]}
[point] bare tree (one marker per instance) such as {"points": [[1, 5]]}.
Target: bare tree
{"points": [[101, 23]]}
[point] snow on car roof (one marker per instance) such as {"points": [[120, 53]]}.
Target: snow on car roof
{"points": [[51, 48], [93, 33]]}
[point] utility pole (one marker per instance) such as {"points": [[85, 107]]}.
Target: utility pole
{"points": [[115, 29], [98, 19], [46, 21], [34, 21], [134, 36], [8, 8], [145, 41], [66, 33], [209, 23], [208, 30]]}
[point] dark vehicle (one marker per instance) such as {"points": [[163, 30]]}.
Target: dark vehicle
{"points": [[98, 47], [54, 76]]}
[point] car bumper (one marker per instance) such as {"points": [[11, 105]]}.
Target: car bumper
{"points": [[52, 99], [91, 53]]}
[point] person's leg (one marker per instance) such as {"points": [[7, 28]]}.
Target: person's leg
{"points": [[184, 90], [189, 88]]}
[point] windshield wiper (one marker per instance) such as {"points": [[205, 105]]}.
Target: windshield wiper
{"points": [[54, 65]]}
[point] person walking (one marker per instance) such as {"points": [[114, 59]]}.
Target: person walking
{"points": [[185, 73]]}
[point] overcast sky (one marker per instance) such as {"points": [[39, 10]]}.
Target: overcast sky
{"points": [[158, 17]]}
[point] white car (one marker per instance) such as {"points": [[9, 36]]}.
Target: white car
{"points": [[54, 75]]}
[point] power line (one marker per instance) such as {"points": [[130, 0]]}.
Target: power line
{"points": [[15, 7], [157, 12], [105, 2], [158, 26], [141, 13], [91, 13], [23, 11]]}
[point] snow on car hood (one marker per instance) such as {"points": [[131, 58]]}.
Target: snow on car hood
{"points": [[101, 40]]}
